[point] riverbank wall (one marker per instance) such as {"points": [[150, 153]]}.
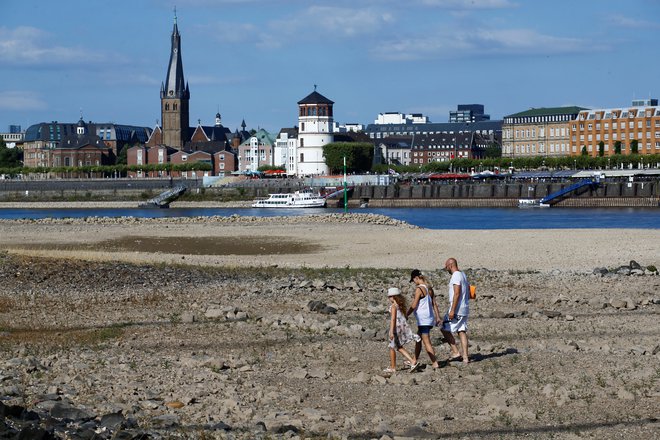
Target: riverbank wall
{"points": [[462, 194]]}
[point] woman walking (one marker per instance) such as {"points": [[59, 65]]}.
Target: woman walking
{"points": [[427, 314]]}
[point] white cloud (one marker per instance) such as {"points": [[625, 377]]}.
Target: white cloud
{"points": [[315, 23], [27, 45], [333, 21], [631, 23], [469, 4], [20, 100], [453, 43]]}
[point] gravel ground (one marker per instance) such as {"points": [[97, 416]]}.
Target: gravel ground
{"points": [[219, 345]]}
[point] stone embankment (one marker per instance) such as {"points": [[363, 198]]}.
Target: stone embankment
{"points": [[373, 219]]}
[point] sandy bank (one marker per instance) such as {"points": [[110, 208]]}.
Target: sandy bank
{"points": [[330, 241]]}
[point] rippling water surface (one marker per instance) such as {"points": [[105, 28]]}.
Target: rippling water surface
{"points": [[431, 218]]}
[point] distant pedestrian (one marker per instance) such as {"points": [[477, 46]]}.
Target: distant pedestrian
{"points": [[400, 332], [455, 321], [427, 314]]}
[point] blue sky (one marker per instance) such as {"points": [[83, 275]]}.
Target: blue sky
{"points": [[254, 59]]}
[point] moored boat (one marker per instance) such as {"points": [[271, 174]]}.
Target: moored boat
{"points": [[531, 203], [298, 199]]}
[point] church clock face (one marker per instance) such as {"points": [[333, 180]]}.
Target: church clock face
{"points": [[171, 92], [176, 50]]}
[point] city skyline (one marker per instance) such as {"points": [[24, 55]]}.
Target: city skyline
{"points": [[253, 60]]}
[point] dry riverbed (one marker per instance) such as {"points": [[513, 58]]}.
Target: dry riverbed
{"points": [[249, 328]]}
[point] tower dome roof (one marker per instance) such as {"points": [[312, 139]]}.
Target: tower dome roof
{"points": [[315, 98]]}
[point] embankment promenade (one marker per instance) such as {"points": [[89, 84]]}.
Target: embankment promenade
{"points": [[460, 194]]}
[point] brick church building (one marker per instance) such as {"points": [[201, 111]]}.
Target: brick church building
{"points": [[175, 141]]}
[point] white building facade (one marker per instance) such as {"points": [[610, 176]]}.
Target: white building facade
{"points": [[315, 129]]}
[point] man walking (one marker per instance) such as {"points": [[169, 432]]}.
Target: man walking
{"points": [[455, 320]]}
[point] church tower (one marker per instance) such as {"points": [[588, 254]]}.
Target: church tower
{"points": [[175, 97]]}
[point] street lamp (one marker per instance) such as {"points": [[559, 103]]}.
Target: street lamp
{"points": [[575, 164]]}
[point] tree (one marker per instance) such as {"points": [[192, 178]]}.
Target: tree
{"points": [[617, 147], [9, 157], [122, 158], [634, 146], [601, 148], [359, 156], [493, 151], [584, 151]]}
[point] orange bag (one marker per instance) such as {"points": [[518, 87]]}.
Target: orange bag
{"points": [[473, 292]]}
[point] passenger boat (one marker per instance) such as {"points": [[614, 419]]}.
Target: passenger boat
{"points": [[531, 203], [298, 199]]}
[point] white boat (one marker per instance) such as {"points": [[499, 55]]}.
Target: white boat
{"points": [[531, 203], [298, 199]]}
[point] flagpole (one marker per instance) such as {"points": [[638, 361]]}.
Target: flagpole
{"points": [[345, 193]]}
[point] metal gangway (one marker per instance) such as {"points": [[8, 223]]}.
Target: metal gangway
{"points": [[557, 196], [164, 199]]}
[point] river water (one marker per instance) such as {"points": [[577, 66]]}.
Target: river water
{"points": [[431, 218]]}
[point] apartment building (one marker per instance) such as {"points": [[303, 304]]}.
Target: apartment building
{"points": [[538, 132], [617, 127]]}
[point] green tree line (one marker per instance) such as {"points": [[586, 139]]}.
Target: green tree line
{"points": [[106, 170], [528, 163]]}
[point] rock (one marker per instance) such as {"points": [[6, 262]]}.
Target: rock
{"points": [[166, 421], [634, 265], [316, 306], [498, 314], [63, 411], [362, 377], [551, 313], [214, 313], [188, 317], [618, 303], [113, 421], [637, 272], [624, 394], [175, 404], [328, 310], [623, 270], [600, 271]]}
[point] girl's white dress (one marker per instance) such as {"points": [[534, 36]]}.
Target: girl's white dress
{"points": [[402, 331]]}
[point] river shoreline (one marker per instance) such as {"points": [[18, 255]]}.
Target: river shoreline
{"points": [[603, 202]]}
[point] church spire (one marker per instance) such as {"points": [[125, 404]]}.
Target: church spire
{"points": [[175, 85]]}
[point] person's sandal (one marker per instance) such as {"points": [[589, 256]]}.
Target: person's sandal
{"points": [[414, 368], [389, 370]]}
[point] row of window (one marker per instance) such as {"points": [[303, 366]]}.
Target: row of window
{"points": [[322, 110], [623, 147], [564, 148], [615, 125], [650, 112], [615, 136], [531, 148], [531, 133], [424, 133], [535, 119]]}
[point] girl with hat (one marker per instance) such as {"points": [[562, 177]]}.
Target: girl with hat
{"points": [[400, 332]]}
